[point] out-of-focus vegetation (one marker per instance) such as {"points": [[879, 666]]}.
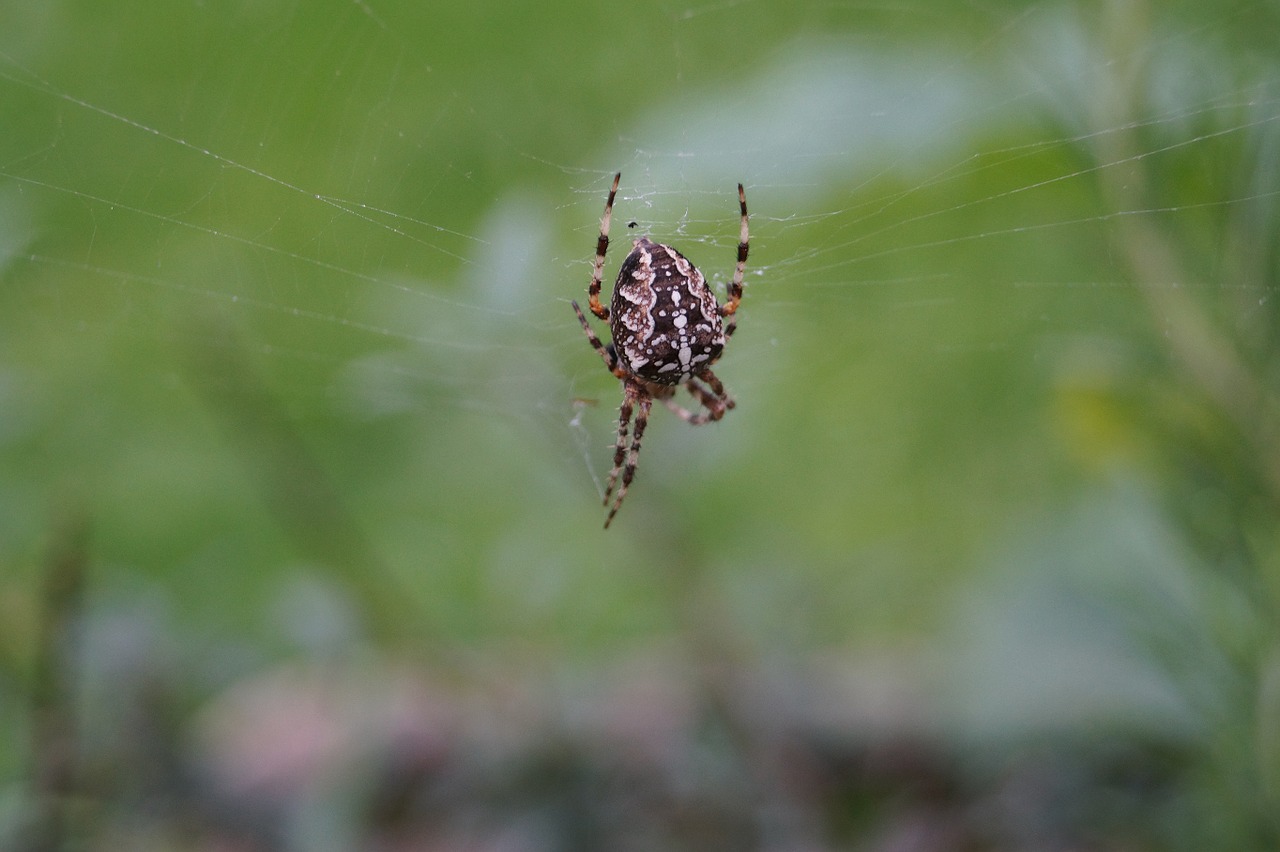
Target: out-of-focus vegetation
{"points": [[300, 442]]}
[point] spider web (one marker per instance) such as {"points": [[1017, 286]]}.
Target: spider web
{"points": [[390, 238]]}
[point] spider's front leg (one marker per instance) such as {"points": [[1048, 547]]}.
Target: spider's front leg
{"points": [[643, 402]]}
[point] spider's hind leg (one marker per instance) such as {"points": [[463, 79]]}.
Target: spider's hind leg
{"points": [[730, 307], [608, 353], [713, 398], [602, 246]]}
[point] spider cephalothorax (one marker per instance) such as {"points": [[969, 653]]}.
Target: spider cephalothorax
{"points": [[668, 329]]}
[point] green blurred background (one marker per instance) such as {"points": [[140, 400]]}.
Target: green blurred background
{"points": [[301, 446]]}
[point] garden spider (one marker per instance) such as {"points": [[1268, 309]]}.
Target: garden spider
{"points": [[667, 332]]}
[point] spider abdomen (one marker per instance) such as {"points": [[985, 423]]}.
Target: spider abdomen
{"points": [[664, 318], [667, 331]]}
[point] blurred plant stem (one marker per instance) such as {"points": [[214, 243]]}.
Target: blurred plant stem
{"points": [[1221, 367], [293, 485], [54, 687], [1210, 354]]}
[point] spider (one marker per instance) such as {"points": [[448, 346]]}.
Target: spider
{"points": [[667, 331]]}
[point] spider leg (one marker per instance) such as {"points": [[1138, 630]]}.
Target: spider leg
{"points": [[729, 308], [606, 352], [714, 400], [620, 445], [717, 392], [602, 246], [685, 414], [644, 402]]}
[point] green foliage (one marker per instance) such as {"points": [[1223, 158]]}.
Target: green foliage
{"points": [[284, 318]]}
